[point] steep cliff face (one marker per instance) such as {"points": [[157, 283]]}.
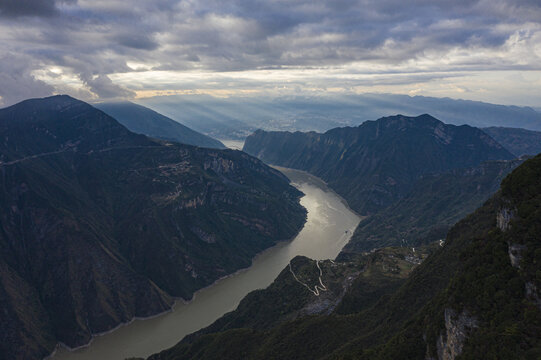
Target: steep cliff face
{"points": [[504, 217], [378, 162], [490, 310], [457, 329], [99, 225]]}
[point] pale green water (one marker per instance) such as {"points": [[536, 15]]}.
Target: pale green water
{"points": [[322, 237]]}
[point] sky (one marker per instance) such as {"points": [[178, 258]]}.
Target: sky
{"points": [[98, 50]]}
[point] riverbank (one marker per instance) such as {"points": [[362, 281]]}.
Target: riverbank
{"points": [[61, 347], [322, 237]]}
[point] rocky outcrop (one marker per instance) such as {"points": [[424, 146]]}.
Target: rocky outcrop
{"points": [[515, 254], [457, 329], [533, 293], [503, 220], [504, 217]]}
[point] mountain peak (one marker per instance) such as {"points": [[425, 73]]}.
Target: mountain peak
{"points": [[42, 109], [59, 123], [57, 101], [376, 163], [98, 225], [401, 121]]}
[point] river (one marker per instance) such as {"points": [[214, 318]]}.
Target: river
{"points": [[328, 228], [233, 144]]}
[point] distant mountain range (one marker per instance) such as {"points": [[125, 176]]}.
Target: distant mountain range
{"points": [[99, 225], [475, 296], [142, 120], [378, 162], [238, 117]]}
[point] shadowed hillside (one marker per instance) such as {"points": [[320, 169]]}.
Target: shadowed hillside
{"points": [[142, 120], [99, 225], [377, 163]]}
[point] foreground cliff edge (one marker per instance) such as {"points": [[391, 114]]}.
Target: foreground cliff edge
{"points": [[99, 225], [477, 295]]}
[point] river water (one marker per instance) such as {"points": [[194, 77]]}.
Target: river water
{"points": [[233, 144], [328, 228]]}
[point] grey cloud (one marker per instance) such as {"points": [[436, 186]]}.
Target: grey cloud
{"points": [[17, 83], [104, 88], [27, 7], [136, 41], [16, 8], [218, 35]]}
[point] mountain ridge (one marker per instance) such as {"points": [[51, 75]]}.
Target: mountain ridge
{"points": [[143, 120], [518, 141], [376, 163], [237, 117]]}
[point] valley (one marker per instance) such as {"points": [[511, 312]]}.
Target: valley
{"points": [[322, 237], [270, 180], [432, 302], [109, 217], [100, 225]]}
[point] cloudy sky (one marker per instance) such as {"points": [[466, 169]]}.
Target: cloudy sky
{"points": [[110, 49]]}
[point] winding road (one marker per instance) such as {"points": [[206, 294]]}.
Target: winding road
{"points": [[317, 288]]}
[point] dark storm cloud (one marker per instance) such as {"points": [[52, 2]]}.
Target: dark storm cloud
{"points": [[27, 7], [92, 39], [16, 8], [299, 32]]}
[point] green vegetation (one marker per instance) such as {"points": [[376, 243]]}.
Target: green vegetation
{"points": [[416, 177], [472, 286], [354, 282]]}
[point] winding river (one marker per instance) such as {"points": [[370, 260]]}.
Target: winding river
{"points": [[328, 228]]}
